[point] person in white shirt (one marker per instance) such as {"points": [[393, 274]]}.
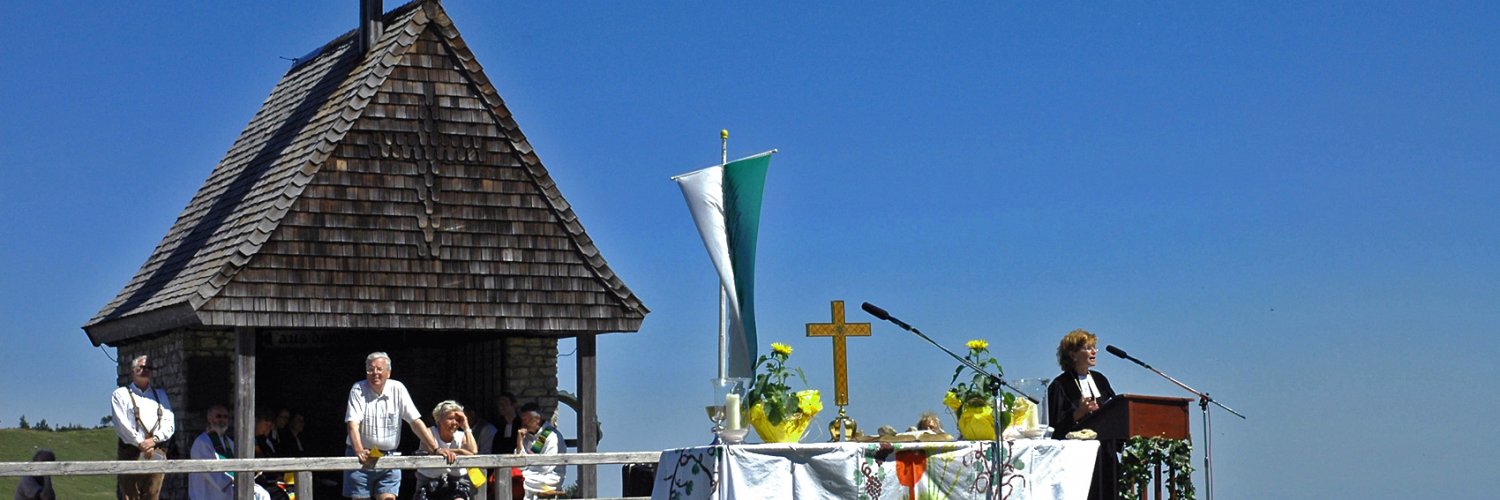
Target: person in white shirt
{"points": [[535, 439], [376, 407], [213, 444], [144, 422], [451, 432]]}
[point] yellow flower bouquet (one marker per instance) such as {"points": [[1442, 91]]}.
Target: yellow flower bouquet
{"points": [[791, 428], [778, 414], [973, 402]]}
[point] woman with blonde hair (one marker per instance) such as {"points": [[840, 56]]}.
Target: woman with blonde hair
{"points": [[451, 432], [1076, 394]]}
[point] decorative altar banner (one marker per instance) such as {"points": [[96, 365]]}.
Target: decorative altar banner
{"points": [[1033, 469], [725, 202]]}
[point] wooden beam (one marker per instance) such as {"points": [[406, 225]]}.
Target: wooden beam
{"points": [[244, 408], [115, 467], [588, 415]]}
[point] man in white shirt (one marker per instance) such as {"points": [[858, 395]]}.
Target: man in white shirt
{"points": [[144, 422], [376, 407], [535, 439], [213, 444]]}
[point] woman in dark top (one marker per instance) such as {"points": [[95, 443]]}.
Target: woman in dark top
{"points": [[1077, 393]]}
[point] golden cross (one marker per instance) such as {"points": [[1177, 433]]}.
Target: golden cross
{"points": [[839, 330]]}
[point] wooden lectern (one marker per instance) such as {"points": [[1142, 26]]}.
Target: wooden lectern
{"points": [[1129, 415]]}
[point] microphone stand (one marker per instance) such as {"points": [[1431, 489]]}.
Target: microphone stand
{"points": [[999, 399], [1203, 400]]}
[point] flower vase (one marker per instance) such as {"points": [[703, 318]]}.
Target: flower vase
{"points": [[794, 426], [790, 430], [977, 423]]}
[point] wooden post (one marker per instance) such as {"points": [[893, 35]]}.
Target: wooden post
{"points": [[500, 487], [304, 485], [588, 439], [1158, 480], [244, 408]]}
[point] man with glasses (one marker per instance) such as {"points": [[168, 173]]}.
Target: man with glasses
{"points": [[377, 405], [144, 422]]}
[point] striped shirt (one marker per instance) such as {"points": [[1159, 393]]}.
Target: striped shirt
{"points": [[380, 415]]}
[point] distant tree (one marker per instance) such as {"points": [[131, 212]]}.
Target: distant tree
{"points": [[106, 421], [69, 427], [41, 425], [24, 423]]}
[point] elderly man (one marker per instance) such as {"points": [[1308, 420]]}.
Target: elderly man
{"points": [[535, 439], [375, 405], [213, 444], [144, 421]]}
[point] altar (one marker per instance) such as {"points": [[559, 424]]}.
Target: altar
{"points": [[1032, 469]]}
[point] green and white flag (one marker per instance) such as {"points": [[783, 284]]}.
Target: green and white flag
{"points": [[725, 202]]}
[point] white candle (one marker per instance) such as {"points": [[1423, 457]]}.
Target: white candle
{"points": [[732, 411]]}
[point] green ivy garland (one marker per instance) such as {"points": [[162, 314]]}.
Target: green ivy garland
{"points": [[1141, 453]]}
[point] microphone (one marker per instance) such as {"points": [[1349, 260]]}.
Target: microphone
{"points": [[877, 312], [880, 314], [1121, 353], [1116, 351]]}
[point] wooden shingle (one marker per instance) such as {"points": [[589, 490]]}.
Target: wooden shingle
{"points": [[390, 189]]}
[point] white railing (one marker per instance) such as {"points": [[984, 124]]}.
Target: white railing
{"points": [[305, 466]]}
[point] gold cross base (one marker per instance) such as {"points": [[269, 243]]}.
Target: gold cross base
{"points": [[842, 428]]}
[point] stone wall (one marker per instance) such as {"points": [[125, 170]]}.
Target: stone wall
{"points": [[531, 371]]}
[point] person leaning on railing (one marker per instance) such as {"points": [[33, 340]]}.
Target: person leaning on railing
{"points": [[376, 407], [535, 439], [452, 432]]}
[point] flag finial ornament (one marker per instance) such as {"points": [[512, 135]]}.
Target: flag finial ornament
{"points": [[724, 134]]}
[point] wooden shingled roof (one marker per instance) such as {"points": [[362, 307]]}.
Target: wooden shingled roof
{"points": [[389, 189]]}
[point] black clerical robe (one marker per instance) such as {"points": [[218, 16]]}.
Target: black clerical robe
{"points": [[1062, 400]]}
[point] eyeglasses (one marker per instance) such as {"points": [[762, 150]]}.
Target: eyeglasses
{"points": [[1093, 348]]}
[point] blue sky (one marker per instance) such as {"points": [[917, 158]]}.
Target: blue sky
{"points": [[1292, 206]]}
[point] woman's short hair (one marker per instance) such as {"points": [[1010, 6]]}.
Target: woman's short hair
{"points": [[443, 408], [1073, 341]]}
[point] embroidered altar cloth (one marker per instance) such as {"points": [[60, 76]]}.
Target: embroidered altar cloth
{"points": [[1031, 469]]}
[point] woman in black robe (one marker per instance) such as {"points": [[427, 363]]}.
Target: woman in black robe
{"points": [[1076, 394]]}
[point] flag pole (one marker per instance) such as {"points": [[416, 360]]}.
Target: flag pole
{"points": [[723, 297]]}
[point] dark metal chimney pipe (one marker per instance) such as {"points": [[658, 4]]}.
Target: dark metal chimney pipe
{"points": [[369, 24]]}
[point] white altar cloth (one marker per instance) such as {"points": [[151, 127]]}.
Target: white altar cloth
{"points": [[1033, 469]]}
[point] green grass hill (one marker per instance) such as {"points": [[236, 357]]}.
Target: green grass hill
{"points": [[17, 445]]}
